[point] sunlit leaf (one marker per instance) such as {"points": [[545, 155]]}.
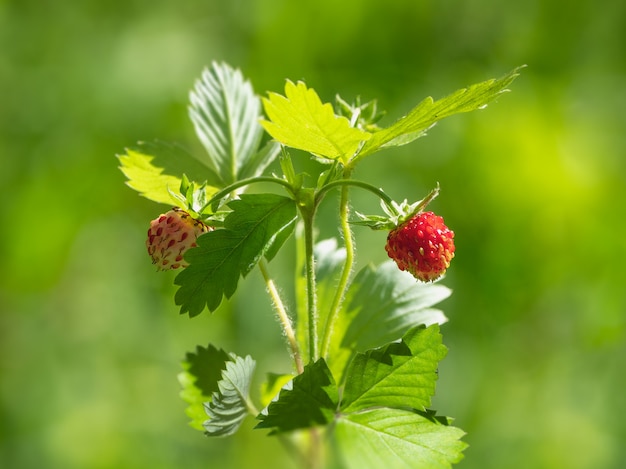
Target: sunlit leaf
{"points": [[400, 374], [310, 399], [201, 372], [300, 120], [225, 113], [148, 179], [156, 169], [394, 438], [229, 404], [429, 111], [257, 226]]}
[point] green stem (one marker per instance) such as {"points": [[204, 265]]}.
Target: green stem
{"points": [[316, 455], [283, 317], [350, 182], [245, 182], [311, 287], [344, 212], [289, 445]]}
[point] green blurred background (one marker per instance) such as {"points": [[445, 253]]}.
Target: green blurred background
{"points": [[534, 187]]}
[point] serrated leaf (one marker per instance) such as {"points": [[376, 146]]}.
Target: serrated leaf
{"points": [[429, 111], [397, 438], [229, 404], [300, 120], [225, 113], [257, 226], [148, 179], [310, 399], [201, 372], [384, 302], [155, 170], [400, 375]]}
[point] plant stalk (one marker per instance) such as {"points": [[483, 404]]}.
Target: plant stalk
{"points": [[283, 316], [333, 314], [311, 289]]}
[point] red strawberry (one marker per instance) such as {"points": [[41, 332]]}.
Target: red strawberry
{"points": [[423, 246], [171, 235]]}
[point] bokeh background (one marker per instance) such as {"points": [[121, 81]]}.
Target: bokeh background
{"points": [[534, 187]]}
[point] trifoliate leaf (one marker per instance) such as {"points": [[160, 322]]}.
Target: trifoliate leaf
{"points": [[225, 113], [257, 226], [399, 375], [310, 399], [428, 112], [300, 120], [230, 403], [201, 372], [394, 438]]}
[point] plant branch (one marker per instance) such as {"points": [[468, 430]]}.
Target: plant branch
{"points": [[311, 287], [245, 182], [344, 211], [351, 182], [283, 316]]}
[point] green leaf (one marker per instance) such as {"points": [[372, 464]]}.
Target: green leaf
{"points": [[300, 120], [225, 113], [155, 170], [260, 160], [310, 399], [230, 403], [148, 179], [201, 372], [429, 111], [271, 387], [400, 375], [257, 226], [177, 160], [384, 302], [395, 438]]}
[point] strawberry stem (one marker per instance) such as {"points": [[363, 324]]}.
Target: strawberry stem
{"points": [[352, 182], [244, 182], [283, 316], [311, 287], [344, 211]]}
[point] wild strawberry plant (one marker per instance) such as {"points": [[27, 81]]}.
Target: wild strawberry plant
{"points": [[365, 346]]}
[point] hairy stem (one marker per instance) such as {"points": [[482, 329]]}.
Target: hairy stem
{"points": [[350, 182], [245, 182], [344, 212], [311, 287], [283, 316]]}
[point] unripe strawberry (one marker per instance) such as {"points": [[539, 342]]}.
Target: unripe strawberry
{"points": [[171, 235], [422, 245]]}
